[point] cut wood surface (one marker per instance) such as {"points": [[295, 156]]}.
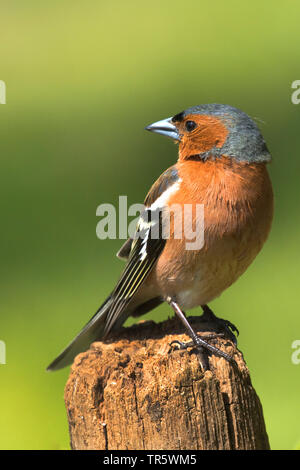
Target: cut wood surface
{"points": [[134, 391]]}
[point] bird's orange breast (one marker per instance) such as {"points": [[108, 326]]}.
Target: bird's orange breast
{"points": [[234, 194], [238, 209]]}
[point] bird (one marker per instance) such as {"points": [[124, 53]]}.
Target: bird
{"points": [[222, 167]]}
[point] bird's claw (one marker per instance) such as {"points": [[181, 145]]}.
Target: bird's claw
{"points": [[181, 345], [229, 328], [202, 348], [203, 358], [190, 344], [232, 327], [220, 323]]}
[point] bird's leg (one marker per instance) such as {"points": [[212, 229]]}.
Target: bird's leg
{"points": [[221, 324], [200, 343]]}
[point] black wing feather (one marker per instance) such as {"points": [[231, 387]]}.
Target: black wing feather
{"points": [[146, 248]]}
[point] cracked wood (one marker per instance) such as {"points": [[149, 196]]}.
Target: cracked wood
{"points": [[134, 391]]}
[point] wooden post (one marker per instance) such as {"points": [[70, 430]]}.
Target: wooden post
{"points": [[136, 392]]}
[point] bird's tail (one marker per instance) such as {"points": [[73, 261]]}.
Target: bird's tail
{"points": [[93, 329]]}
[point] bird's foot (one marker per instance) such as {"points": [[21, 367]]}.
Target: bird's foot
{"points": [[203, 347], [221, 324], [190, 344]]}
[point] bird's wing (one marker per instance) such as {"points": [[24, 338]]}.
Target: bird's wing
{"points": [[142, 252], [125, 249], [162, 184], [146, 246]]}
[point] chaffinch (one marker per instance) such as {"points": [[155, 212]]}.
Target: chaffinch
{"points": [[222, 168]]}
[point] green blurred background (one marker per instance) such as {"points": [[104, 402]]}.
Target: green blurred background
{"points": [[83, 79]]}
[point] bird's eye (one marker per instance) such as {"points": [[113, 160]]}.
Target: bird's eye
{"points": [[190, 125]]}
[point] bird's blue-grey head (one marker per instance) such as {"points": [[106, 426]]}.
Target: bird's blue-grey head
{"points": [[215, 130]]}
